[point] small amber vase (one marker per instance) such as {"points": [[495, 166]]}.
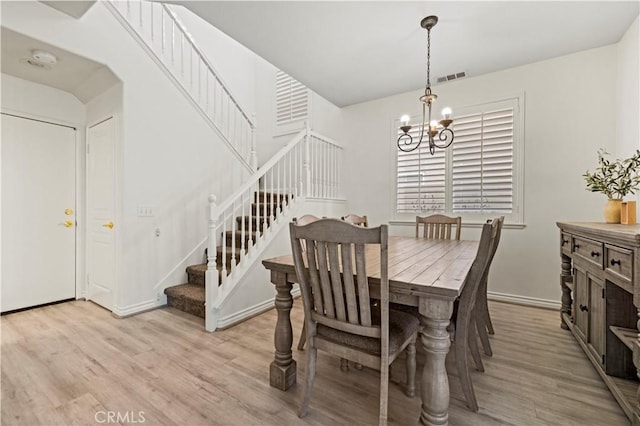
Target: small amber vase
{"points": [[612, 210]]}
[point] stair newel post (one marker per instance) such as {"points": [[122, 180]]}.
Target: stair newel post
{"points": [[307, 161], [211, 276]]}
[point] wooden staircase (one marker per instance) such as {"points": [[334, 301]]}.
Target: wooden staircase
{"points": [[190, 296]]}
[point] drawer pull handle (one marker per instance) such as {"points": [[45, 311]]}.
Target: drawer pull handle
{"points": [[576, 246], [615, 262], [564, 242], [583, 308], [595, 253]]}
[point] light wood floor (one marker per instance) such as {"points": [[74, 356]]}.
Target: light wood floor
{"points": [[66, 364]]}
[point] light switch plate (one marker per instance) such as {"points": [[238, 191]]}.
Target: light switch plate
{"points": [[145, 210]]}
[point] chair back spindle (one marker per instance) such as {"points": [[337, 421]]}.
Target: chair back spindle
{"points": [[438, 227]]}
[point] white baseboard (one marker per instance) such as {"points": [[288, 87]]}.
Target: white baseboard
{"points": [[136, 308], [524, 300], [237, 317]]}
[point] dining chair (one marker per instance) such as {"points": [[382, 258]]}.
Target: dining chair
{"points": [[463, 320], [352, 219], [335, 293], [438, 227], [301, 221], [483, 319], [356, 220]]}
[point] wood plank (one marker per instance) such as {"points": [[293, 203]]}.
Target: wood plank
{"points": [[537, 376]]}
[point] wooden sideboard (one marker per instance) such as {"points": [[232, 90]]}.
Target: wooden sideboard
{"points": [[600, 281]]}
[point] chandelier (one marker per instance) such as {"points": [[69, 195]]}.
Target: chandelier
{"points": [[438, 133]]}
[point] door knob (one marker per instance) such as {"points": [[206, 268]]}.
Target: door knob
{"points": [[67, 224], [108, 225], [68, 212]]}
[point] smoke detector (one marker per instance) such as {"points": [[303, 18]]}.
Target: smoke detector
{"points": [[41, 59], [44, 58]]}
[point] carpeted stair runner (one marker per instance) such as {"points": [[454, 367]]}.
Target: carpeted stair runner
{"points": [[190, 297]]}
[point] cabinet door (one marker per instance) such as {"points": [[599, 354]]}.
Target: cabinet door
{"points": [[581, 302], [596, 328]]}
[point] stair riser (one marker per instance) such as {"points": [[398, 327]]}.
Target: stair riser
{"points": [[199, 277], [183, 297], [195, 278], [238, 238], [228, 256], [261, 196], [254, 209], [260, 226], [187, 306]]}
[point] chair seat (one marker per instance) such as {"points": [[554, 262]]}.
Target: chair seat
{"points": [[401, 326]]}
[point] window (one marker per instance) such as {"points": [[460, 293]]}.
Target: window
{"points": [[477, 177], [292, 99]]}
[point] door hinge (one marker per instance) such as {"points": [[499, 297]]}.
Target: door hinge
{"points": [[603, 357], [603, 292]]}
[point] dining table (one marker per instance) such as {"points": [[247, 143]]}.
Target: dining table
{"points": [[428, 274]]}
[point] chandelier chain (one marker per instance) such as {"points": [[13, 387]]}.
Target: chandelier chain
{"points": [[438, 133], [428, 58]]}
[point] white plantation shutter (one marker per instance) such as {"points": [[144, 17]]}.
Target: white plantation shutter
{"points": [[482, 163], [479, 176], [292, 99], [421, 178]]}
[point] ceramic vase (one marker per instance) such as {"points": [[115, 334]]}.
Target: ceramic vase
{"points": [[612, 210]]}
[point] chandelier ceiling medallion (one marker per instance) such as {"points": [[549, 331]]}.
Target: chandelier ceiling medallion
{"points": [[438, 133]]}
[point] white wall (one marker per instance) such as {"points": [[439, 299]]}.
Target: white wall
{"points": [[564, 127], [628, 94], [252, 82], [41, 101], [170, 158], [232, 61]]}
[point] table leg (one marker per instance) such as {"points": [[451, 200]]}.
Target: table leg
{"points": [[282, 371], [435, 315]]}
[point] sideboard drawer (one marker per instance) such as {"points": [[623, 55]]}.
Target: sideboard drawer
{"points": [[590, 250], [619, 261]]}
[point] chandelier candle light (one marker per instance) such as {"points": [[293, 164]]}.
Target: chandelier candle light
{"points": [[436, 128]]}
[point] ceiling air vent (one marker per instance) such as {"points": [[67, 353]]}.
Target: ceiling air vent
{"points": [[451, 77]]}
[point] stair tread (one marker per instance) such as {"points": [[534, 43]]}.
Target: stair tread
{"points": [[189, 298], [200, 268], [191, 292]]}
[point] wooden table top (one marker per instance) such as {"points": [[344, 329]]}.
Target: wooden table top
{"points": [[417, 266]]}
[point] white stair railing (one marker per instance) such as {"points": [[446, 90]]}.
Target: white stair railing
{"points": [[164, 37], [307, 167]]}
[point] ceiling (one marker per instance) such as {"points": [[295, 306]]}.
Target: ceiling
{"points": [[75, 74], [355, 51]]}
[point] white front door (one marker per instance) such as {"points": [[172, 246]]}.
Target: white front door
{"points": [[38, 212], [101, 226]]}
